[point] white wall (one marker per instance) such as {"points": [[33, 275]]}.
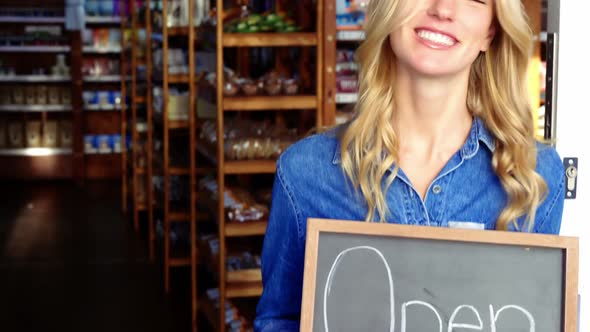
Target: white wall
{"points": [[573, 133]]}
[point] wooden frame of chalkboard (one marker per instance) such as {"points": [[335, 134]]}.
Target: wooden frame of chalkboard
{"points": [[567, 246]]}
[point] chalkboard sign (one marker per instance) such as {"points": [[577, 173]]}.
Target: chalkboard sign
{"points": [[383, 277]]}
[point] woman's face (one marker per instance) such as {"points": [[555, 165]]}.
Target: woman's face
{"points": [[443, 37]]}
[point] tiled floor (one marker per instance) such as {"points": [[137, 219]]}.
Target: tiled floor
{"points": [[69, 261]]}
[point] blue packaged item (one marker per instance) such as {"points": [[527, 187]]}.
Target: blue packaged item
{"points": [[91, 7], [103, 98], [102, 143], [106, 8], [89, 147], [115, 98], [115, 143]]}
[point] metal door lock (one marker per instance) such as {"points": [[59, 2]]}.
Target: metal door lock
{"points": [[571, 177]]}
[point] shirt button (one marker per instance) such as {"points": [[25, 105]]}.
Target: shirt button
{"points": [[436, 189]]}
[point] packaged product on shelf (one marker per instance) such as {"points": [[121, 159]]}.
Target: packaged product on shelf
{"points": [[18, 95], [115, 143], [65, 95], [15, 135], [89, 146], [103, 98], [107, 7], [103, 144], [350, 14], [178, 105], [115, 98], [65, 134], [244, 261], [60, 68], [33, 132], [100, 38], [30, 95], [5, 95], [50, 134], [177, 13], [53, 95], [3, 141], [41, 95], [91, 7], [114, 37], [89, 98]]}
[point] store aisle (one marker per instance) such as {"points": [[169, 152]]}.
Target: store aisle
{"points": [[71, 262]]}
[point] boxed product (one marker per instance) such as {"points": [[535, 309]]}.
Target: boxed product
{"points": [[15, 135], [3, 142], [30, 95], [65, 134], [66, 96], [53, 95], [102, 144], [350, 14], [18, 95], [103, 98], [89, 98], [5, 95], [41, 95], [33, 130], [89, 146], [115, 143], [50, 134]]}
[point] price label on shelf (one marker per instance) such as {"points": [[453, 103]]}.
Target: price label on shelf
{"points": [[354, 35], [346, 98]]}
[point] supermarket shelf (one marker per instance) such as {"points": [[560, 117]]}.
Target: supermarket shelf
{"points": [[178, 31], [178, 78], [35, 108], [175, 170], [175, 262], [248, 275], [34, 79], [269, 39], [35, 152], [103, 19], [34, 49], [249, 228], [177, 216], [210, 312], [247, 289], [261, 103], [101, 50], [178, 124], [350, 35], [103, 79], [31, 19], [346, 98], [250, 167], [102, 107]]}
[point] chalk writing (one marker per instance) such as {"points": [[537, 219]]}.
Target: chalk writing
{"points": [[494, 316]]}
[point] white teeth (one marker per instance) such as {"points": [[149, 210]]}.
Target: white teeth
{"points": [[436, 37]]}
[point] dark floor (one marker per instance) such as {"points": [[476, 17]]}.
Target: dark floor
{"points": [[69, 261]]}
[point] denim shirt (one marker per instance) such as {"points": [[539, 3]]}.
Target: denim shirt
{"points": [[310, 183]]}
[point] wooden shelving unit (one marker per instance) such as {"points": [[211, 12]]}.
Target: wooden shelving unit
{"points": [[137, 171], [109, 119], [171, 130], [248, 283], [43, 159]]}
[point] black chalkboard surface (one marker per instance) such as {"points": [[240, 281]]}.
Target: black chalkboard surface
{"points": [[383, 277]]}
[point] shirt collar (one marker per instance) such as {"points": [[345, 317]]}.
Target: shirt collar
{"points": [[478, 133]]}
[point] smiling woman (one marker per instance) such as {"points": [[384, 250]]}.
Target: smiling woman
{"points": [[443, 136]]}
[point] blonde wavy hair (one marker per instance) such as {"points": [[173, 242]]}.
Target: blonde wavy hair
{"points": [[497, 94]]}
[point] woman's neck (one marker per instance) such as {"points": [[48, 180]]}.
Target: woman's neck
{"points": [[431, 113]]}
